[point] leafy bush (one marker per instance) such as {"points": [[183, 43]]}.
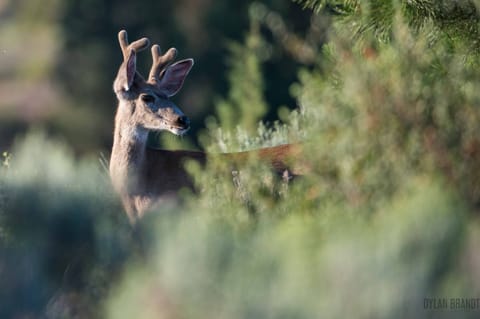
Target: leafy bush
{"points": [[378, 115]]}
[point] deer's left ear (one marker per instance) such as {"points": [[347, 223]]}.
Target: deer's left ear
{"points": [[126, 73], [173, 77]]}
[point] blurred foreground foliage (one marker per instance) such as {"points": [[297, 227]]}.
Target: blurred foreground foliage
{"points": [[386, 216], [67, 251], [61, 233]]}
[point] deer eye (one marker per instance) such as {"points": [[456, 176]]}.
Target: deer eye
{"points": [[147, 98]]}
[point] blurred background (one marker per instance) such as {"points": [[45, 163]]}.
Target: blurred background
{"points": [[59, 58]]}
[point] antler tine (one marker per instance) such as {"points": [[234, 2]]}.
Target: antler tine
{"points": [[136, 46], [160, 62]]}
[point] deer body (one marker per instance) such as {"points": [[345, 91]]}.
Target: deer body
{"points": [[142, 176]]}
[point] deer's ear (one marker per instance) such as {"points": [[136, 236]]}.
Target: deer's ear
{"points": [[174, 76], [127, 71]]}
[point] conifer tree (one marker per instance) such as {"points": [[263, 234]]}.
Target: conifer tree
{"points": [[453, 21]]}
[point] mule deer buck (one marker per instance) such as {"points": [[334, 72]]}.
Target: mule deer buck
{"points": [[142, 176]]}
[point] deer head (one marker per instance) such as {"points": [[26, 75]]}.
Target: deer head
{"points": [[147, 102]]}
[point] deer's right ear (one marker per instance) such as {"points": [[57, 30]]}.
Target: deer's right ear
{"points": [[127, 71]]}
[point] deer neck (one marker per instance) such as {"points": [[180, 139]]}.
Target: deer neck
{"points": [[128, 152]]}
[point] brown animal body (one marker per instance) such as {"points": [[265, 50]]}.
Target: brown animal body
{"points": [[144, 177]]}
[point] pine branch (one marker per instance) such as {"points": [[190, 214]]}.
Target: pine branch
{"points": [[454, 21]]}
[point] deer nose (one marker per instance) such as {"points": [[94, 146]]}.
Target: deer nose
{"points": [[183, 121]]}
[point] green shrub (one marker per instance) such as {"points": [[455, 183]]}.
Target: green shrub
{"points": [[63, 235], [332, 264]]}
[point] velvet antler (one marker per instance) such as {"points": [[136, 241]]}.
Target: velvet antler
{"points": [[128, 69], [135, 46], [160, 62]]}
